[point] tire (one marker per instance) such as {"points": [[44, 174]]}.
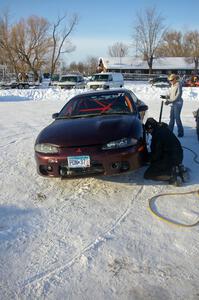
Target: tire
{"points": [[20, 86]]}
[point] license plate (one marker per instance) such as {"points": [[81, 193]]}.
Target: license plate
{"points": [[79, 161]]}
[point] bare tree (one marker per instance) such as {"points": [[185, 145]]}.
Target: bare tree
{"points": [[172, 45], [60, 42], [29, 46], [90, 65], [31, 43], [191, 39], [73, 67], [148, 34], [76, 67], [87, 67], [8, 56], [118, 49]]}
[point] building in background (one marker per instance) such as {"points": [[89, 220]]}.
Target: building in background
{"points": [[136, 68]]}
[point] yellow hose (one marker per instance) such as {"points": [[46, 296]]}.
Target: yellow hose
{"points": [[160, 217]]}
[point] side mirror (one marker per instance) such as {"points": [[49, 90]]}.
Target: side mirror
{"points": [[142, 107], [55, 115]]}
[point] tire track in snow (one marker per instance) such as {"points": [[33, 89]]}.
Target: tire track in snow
{"points": [[24, 135], [95, 244], [15, 141]]}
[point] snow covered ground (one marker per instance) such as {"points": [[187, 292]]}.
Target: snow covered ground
{"points": [[92, 238]]}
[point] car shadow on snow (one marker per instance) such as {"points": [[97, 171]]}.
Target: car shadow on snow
{"points": [[136, 178], [132, 178]]}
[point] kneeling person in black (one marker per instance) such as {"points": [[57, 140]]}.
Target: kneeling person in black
{"points": [[166, 151]]}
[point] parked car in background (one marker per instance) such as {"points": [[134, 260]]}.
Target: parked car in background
{"points": [[54, 79], [191, 81], [70, 81], [161, 81], [106, 81], [17, 85], [95, 133]]}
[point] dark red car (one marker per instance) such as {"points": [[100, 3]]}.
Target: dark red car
{"points": [[95, 133]]}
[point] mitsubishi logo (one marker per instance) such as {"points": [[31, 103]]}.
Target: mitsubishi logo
{"points": [[79, 150]]}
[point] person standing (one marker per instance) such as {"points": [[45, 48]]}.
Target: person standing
{"points": [[175, 99]]}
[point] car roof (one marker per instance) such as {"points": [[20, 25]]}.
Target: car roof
{"points": [[97, 92], [105, 73], [64, 75]]}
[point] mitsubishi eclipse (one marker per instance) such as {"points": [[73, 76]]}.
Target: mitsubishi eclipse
{"points": [[95, 133]]}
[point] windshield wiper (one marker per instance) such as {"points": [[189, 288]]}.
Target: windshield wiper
{"points": [[78, 116], [94, 115], [115, 113]]}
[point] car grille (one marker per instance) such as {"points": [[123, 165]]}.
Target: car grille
{"points": [[67, 87], [94, 87], [94, 169]]}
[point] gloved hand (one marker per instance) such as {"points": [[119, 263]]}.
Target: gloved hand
{"points": [[163, 96], [167, 102]]}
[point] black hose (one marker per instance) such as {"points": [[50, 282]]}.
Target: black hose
{"points": [[194, 153]]}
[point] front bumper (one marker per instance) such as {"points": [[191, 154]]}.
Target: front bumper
{"points": [[106, 162]]}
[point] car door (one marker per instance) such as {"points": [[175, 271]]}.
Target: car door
{"points": [[80, 82]]}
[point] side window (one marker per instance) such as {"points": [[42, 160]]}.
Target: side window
{"points": [[68, 109], [110, 78], [135, 99], [132, 102]]}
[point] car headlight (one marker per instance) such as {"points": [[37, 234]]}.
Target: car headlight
{"points": [[46, 148], [122, 143]]}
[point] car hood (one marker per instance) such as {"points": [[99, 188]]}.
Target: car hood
{"points": [[67, 83], [90, 131], [97, 82]]}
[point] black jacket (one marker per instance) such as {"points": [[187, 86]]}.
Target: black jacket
{"points": [[165, 146]]}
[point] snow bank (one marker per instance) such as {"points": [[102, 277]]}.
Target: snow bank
{"points": [[142, 90]]}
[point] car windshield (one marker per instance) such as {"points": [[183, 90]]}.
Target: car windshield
{"points": [[55, 77], [89, 105], [68, 78], [161, 79], [100, 77]]}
